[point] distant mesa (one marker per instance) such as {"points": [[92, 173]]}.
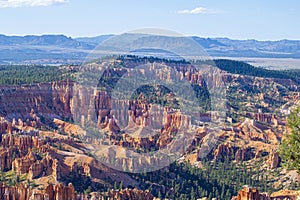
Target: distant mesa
{"points": [[62, 49]]}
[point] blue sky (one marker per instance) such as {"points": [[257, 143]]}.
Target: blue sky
{"points": [[238, 19]]}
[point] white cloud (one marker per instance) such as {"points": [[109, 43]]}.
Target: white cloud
{"points": [[198, 10], [29, 3]]}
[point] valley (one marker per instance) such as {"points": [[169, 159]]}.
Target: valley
{"points": [[66, 135]]}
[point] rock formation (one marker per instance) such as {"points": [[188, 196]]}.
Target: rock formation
{"points": [[40, 168], [52, 192], [51, 99], [59, 191], [71, 129], [243, 154], [7, 156], [22, 165], [22, 142], [126, 125], [16, 192], [248, 193], [130, 194], [223, 151], [273, 160]]}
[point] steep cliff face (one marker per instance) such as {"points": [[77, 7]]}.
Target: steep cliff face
{"points": [[22, 142], [52, 192], [49, 99], [61, 192], [65, 99]]}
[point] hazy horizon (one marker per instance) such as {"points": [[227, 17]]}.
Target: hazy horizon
{"points": [[106, 34], [259, 20]]}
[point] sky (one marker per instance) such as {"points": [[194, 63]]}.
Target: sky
{"points": [[236, 19]]}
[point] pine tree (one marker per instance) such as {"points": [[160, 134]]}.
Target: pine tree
{"points": [[159, 195], [290, 146], [193, 196], [210, 196], [121, 185]]}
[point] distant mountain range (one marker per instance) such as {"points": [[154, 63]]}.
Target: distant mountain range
{"points": [[62, 49]]}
